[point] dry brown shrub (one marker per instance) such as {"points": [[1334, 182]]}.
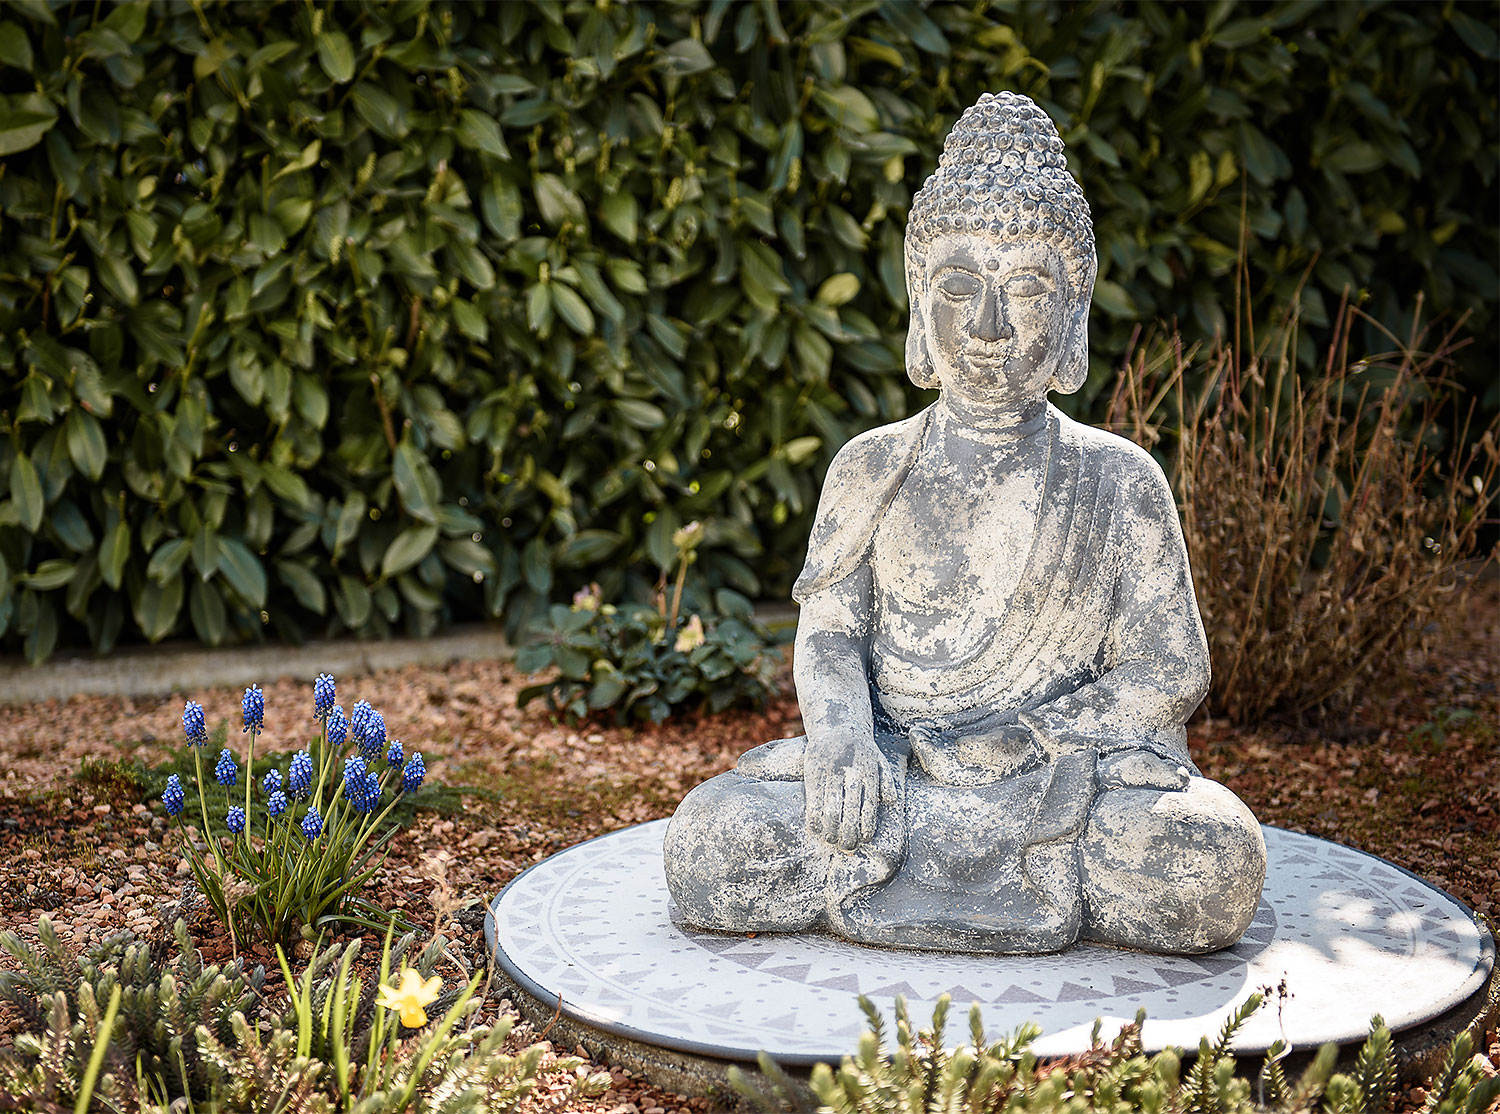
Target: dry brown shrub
{"points": [[1333, 524]]}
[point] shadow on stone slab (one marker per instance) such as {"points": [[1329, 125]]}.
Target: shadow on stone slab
{"points": [[684, 1073]]}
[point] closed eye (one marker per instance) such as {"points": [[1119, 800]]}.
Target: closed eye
{"points": [[959, 285], [1028, 284]]}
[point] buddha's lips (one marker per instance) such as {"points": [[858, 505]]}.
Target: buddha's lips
{"points": [[987, 360]]}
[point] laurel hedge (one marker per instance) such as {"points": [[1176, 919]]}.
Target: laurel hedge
{"points": [[373, 316]]}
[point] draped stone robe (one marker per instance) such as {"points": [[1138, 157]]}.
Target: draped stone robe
{"points": [[1099, 650]]}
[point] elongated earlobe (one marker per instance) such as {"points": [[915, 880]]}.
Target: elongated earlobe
{"points": [[1073, 368], [919, 366]]}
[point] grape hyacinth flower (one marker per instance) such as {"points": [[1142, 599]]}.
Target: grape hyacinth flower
{"points": [[312, 824], [416, 770], [277, 804], [323, 695], [359, 718], [253, 707], [172, 795], [372, 739], [193, 724], [234, 820], [395, 756], [372, 791], [354, 781], [226, 772], [299, 775], [338, 727], [272, 782]]}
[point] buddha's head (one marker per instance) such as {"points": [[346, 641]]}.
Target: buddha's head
{"points": [[1000, 261]]}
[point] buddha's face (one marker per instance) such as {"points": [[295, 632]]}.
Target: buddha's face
{"points": [[996, 315]]}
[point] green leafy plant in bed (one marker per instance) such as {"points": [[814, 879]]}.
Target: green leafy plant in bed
{"points": [[923, 1075], [166, 1012], [646, 662], [121, 1029], [300, 861]]}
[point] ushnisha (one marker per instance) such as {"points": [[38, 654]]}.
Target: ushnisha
{"points": [[998, 644]]}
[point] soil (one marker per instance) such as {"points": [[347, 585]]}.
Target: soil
{"points": [[1411, 773]]}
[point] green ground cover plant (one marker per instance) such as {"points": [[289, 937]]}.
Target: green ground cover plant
{"points": [[368, 317], [297, 863], [646, 663], [181, 1035], [924, 1074]]}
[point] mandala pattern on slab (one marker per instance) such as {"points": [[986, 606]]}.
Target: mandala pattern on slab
{"points": [[1349, 934]]}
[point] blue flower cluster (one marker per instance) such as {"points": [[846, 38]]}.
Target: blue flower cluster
{"points": [[359, 717], [323, 695], [193, 724], [172, 797], [416, 770], [338, 727], [299, 775], [226, 773], [368, 728], [253, 707], [361, 785]]}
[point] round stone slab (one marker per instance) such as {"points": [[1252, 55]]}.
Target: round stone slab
{"points": [[1349, 934]]}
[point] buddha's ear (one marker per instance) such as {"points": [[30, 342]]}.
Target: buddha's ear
{"points": [[919, 366], [1073, 368]]}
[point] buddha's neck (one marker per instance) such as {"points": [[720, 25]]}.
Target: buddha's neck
{"points": [[993, 425]]}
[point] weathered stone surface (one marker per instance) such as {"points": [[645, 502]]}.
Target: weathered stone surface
{"points": [[999, 643]]}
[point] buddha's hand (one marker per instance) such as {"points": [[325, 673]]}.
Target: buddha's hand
{"points": [[841, 778], [1141, 769]]}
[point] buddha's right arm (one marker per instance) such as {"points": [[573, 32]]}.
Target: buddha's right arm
{"points": [[840, 762], [831, 662]]}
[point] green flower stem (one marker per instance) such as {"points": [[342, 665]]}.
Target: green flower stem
{"points": [[325, 753], [203, 809], [249, 777], [359, 844]]}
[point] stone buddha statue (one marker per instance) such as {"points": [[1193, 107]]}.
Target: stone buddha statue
{"points": [[998, 645]]}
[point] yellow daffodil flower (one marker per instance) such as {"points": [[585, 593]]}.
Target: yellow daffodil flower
{"points": [[410, 998]]}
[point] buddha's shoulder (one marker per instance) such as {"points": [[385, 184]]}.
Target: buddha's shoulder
{"points": [[1120, 455], [1130, 475], [880, 451]]}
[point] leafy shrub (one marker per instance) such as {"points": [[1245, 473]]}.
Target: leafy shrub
{"points": [[360, 318], [165, 1012], [301, 858], [335, 1047], [1330, 523], [646, 662], [924, 1075]]}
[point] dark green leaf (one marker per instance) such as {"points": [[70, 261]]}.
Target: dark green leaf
{"points": [[26, 492], [408, 548], [336, 56], [243, 570]]}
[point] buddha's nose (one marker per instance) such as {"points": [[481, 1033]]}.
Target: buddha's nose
{"points": [[992, 325]]}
